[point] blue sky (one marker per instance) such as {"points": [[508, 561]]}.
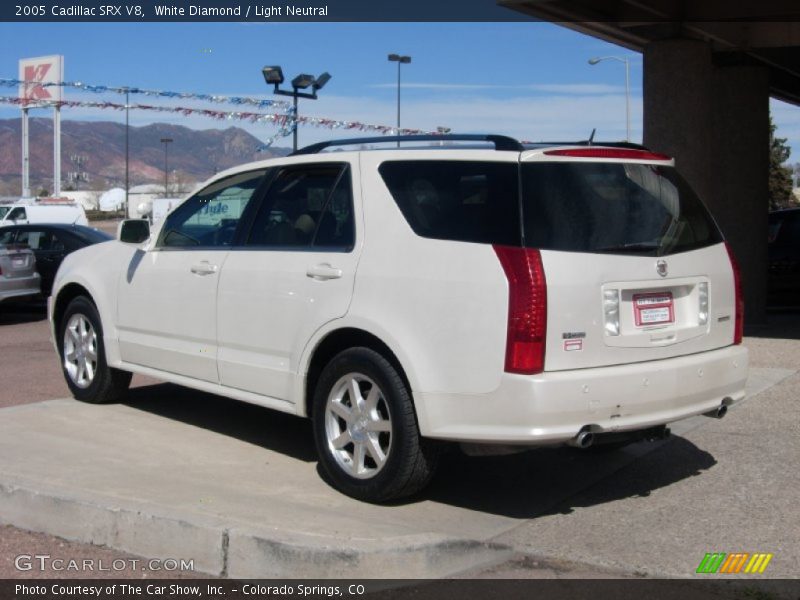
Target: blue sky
{"points": [[529, 80]]}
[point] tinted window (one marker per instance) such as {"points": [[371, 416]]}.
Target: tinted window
{"points": [[457, 200], [307, 206], [612, 207], [40, 240], [210, 217]]}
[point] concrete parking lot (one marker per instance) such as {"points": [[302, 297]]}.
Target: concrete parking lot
{"points": [[175, 473]]}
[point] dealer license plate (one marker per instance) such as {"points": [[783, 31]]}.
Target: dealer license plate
{"points": [[653, 309]]}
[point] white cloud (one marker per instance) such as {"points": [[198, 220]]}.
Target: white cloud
{"points": [[550, 88]]}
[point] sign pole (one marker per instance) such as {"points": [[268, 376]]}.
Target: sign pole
{"points": [[26, 178], [41, 81], [57, 151]]}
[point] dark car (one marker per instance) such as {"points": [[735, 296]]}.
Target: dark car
{"points": [[784, 258], [51, 243]]}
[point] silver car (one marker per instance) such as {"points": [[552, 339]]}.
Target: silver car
{"points": [[18, 276]]}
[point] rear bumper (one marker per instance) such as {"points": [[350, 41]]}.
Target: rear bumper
{"points": [[19, 286], [553, 407]]}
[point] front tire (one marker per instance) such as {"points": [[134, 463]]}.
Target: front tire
{"points": [[365, 429], [83, 357]]}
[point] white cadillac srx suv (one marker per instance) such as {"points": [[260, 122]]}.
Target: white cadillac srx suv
{"points": [[458, 288]]}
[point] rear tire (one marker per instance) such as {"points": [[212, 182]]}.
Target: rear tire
{"points": [[83, 356], [366, 431]]}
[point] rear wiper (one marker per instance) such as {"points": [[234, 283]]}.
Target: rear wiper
{"points": [[633, 247]]}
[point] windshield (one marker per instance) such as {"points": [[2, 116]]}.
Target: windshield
{"points": [[4, 210], [620, 208]]}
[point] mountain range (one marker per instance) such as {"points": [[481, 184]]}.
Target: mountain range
{"points": [[97, 149]]}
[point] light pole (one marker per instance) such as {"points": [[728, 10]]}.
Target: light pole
{"points": [[166, 142], [127, 148], [597, 59], [274, 76], [400, 60]]}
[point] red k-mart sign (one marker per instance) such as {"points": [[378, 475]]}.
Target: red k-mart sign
{"points": [[34, 72]]}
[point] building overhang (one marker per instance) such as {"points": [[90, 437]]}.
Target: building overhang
{"points": [[764, 33]]}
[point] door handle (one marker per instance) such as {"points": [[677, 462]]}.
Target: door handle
{"points": [[204, 268], [323, 272]]}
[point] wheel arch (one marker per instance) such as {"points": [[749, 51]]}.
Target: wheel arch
{"points": [[66, 295], [337, 341]]}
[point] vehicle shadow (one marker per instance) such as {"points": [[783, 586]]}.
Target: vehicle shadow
{"points": [[548, 481], [16, 312], [256, 425], [529, 484]]}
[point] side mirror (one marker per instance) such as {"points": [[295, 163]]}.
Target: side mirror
{"points": [[133, 231]]}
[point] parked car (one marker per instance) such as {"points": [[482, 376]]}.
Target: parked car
{"points": [[514, 295], [784, 258], [18, 276], [51, 243], [26, 212]]}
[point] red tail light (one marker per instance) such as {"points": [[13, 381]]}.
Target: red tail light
{"points": [[527, 309], [738, 329], [598, 152]]}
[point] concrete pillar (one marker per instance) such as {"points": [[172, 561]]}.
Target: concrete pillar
{"points": [[678, 107], [740, 200], [715, 122]]}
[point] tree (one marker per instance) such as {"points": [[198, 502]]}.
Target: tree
{"points": [[780, 176]]}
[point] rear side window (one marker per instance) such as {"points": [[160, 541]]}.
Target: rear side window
{"points": [[39, 240], [465, 201], [307, 206], [612, 207]]}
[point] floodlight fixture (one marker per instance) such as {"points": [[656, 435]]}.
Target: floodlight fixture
{"points": [[302, 81], [273, 75], [321, 81]]}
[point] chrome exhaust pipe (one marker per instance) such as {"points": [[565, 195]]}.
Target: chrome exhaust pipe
{"points": [[718, 412], [583, 440]]}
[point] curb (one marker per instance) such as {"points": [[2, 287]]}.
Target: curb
{"points": [[227, 549]]}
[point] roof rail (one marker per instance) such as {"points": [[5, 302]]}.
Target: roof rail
{"points": [[501, 142]]}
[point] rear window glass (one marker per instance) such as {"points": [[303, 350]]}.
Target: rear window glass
{"points": [[612, 207], [457, 200], [622, 208]]}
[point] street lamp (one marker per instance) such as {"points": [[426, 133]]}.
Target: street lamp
{"points": [[166, 142], [597, 59], [274, 76], [127, 148], [400, 60]]}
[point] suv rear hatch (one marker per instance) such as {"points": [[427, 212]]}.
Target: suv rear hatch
{"points": [[635, 267]]}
